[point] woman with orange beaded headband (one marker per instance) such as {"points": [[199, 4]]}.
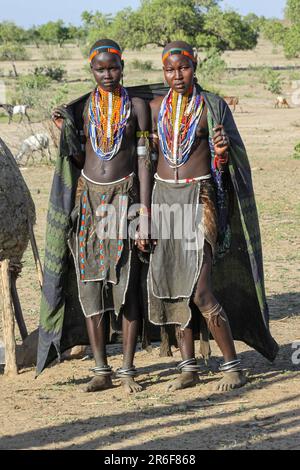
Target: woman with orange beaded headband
{"points": [[116, 129], [192, 178]]}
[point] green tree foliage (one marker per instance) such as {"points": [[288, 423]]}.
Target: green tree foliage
{"points": [[226, 30], [54, 32], [56, 73], [212, 68], [33, 36], [292, 37], [256, 22], [292, 42], [76, 33], [292, 11], [201, 22], [297, 151], [13, 52], [11, 33], [274, 84], [275, 31], [127, 28], [95, 26]]}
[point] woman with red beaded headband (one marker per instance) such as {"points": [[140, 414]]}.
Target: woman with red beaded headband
{"points": [[193, 150], [116, 129]]}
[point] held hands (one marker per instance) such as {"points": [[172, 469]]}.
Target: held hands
{"points": [[221, 147], [143, 238]]}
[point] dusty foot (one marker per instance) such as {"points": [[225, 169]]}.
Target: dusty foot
{"points": [[130, 386], [231, 380], [99, 382], [184, 380]]}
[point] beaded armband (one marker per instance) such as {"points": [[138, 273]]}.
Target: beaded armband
{"points": [[144, 134]]}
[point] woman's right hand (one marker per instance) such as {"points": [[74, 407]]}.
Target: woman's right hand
{"points": [[57, 118]]}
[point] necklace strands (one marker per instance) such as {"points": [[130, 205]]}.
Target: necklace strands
{"points": [[177, 124], [108, 116]]}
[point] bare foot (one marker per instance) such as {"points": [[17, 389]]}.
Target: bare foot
{"points": [[99, 382], [130, 386], [184, 380], [231, 380]]}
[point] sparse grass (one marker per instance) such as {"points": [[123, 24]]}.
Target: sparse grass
{"points": [[137, 64], [269, 148], [238, 81]]}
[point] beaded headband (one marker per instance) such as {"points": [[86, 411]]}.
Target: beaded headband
{"points": [[99, 49], [178, 50]]}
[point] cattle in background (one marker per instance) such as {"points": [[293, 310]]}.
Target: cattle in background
{"points": [[281, 102], [15, 110], [232, 101], [34, 143]]}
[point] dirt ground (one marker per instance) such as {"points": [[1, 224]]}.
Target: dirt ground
{"points": [[53, 412]]}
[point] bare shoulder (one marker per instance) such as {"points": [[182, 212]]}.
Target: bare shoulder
{"points": [[155, 104], [139, 105]]}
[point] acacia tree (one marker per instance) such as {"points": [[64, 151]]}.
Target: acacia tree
{"points": [[96, 25], [292, 11], [292, 39], [275, 31], [163, 22], [200, 22], [226, 31], [54, 32], [33, 35], [13, 52], [10, 32]]}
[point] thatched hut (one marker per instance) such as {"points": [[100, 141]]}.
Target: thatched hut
{"points": [[17, 215]]}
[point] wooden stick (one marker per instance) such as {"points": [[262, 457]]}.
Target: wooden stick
{"points": [[36, 256], [17, 308], [11, 367]]}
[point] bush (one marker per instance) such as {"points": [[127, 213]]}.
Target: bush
{"points": [[265, 74], [55, 53], [211, 68], [297, 151], [13, 52], [29, 88], [54, 73], [34, 82], [274, 84]]}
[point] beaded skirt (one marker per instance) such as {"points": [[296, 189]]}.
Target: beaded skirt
{"points": [[100, 245]]}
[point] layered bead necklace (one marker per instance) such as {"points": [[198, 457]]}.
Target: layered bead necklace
{"points": [[108, 116], [177, 124]]}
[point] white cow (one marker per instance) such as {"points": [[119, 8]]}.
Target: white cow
{"points": [[34, 143]]}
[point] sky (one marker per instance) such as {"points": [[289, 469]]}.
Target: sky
{"points": [[34, 12]]}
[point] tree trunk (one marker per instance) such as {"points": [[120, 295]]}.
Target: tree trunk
{"points": [[8, 321], [36, 256], [14, 69], [17, 308]]}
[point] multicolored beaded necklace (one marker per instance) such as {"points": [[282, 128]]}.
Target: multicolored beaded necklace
{"points": [[108, 116], [178, 119]]}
